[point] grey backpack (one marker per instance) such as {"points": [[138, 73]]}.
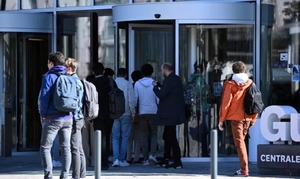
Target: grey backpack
{"points": [[66, 95], [90, 107]]}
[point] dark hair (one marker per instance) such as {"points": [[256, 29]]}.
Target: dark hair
{"points": [[57, 58], [200, 67], [109, 72], [122, 72], [239, 67], [168, 66], [136, 75], [147, 70], [98, 68]]}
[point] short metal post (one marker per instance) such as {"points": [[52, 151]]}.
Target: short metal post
{"points": [[214, 154], [97, 154]]}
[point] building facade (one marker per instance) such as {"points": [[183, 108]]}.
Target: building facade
{"points": [[128, 33]]}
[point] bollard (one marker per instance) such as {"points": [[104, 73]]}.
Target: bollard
{"points": [[214, 154], [97, 160]]}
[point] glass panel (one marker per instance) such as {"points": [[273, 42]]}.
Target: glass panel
{"points": [[8, 4], [273, 2], [106, 43], [101, 2], [286, 54], [137, 1], [67, 3], [154, 47], [206, 54], [36, 4], [9, 87]]}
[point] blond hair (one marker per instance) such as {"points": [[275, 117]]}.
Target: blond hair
{"points": [[71, 63]]}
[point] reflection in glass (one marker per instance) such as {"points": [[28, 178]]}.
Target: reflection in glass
{"points": [[100, 2], [8, 4], [137, 1], [106, 43], [36, 4], [285, 53], [68, 3], [206, 54]]}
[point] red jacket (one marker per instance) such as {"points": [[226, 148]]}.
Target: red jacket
{"points": [[233, 102]]}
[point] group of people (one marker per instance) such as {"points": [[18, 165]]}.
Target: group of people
{"points": [[148, 104]]}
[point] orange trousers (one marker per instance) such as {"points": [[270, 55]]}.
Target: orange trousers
{"points": [[239, 131]]}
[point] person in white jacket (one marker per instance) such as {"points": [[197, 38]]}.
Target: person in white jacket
{"points": [[147, 101], [122, 127]]}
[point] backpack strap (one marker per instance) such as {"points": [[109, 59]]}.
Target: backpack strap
{"points": [[111, 83]]}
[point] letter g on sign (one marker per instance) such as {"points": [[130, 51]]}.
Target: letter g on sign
{"points": [[271, 127]]}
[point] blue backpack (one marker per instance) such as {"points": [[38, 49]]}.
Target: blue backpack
{"points": [[66, 94]]}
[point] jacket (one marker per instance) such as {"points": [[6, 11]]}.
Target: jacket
{"points": [[145, 96], [127, 89], [77, 115], [47, 108], [171, 102], [233, 95]]}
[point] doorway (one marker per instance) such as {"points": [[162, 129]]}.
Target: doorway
{"points": [[24, 63]]}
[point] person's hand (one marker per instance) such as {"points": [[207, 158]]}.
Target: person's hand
{"points": [[221, 126], [154, 83]]}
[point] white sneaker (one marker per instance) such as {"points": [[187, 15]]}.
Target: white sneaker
{"points": [[116, 163], [146, 162], [56, 163], [153, 158], [124, 164]]}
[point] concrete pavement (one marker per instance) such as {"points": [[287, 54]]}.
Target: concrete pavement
{"points": [[29, 167]]}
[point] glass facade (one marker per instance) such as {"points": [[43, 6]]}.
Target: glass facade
{"points": [[36, 4], [216, 47]]}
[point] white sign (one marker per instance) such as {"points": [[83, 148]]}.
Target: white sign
{"points": [[273, 129], [280, 158], [283, 56]]}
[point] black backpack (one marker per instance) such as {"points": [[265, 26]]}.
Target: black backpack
{"points": [[116, 101], [253, 103]]}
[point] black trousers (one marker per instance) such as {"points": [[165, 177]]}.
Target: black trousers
{"points": [[105, 126], [171, 143]]}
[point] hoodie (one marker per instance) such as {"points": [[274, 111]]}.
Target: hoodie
{"points": [[47, 108], [145, 96], [201, 90], [233, 98]]}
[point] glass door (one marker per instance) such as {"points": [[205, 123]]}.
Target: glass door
{"points": [[33, 51], [153, 44], [206, 55]]}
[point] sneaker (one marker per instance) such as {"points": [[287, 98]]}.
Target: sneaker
{"points": [[176, 165], [116, 163], [124, 164], [146, 162], [163, 163], [242, 173], [153, 158], [56, 163]]}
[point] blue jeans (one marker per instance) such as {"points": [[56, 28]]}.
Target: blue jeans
{"points": [[120, 134], [50, 130]]}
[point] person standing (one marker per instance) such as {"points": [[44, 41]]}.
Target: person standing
{"points": [[78, 157], [54, 121], [134, 138], [232, 109], [122, 127], [147, 111], [170, 113], [103, 122]]}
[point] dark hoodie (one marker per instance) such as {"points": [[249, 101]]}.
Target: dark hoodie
{"points": [[47, 109]]}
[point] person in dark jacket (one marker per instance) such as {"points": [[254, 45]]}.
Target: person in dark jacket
{"points": [[103, 122], [170, 113]]}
